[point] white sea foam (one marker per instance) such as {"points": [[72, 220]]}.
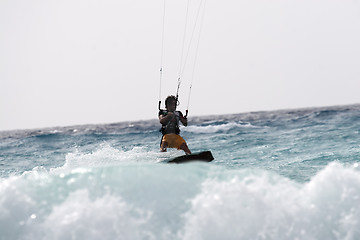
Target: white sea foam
{"points": [[196, 201], [77, 217], [107, 155], [261, 207], [215, 128], [107, 217]]}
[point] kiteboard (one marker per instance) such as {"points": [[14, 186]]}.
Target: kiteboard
{"points": [[205, 156]]}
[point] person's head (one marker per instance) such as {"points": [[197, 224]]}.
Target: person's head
{"points": [[170, 103]]}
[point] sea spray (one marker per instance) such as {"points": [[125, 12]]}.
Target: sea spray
{"points": [[192, 201], [291, 174]]}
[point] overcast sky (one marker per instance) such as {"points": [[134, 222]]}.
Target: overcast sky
{"points": [[89, 61]]}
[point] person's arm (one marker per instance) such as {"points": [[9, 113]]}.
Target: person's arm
{"points": [[164, 119], [183, 120]]}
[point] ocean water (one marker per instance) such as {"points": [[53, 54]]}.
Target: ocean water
{"points": [[291, 174]]}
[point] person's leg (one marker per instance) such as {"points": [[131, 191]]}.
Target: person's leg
{"points": [[163, 146], [185, 148]]}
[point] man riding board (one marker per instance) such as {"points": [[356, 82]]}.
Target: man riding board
{"points": [[170, 119]]}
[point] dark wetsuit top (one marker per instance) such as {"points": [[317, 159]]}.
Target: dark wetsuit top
{"points": [[172, 126]]}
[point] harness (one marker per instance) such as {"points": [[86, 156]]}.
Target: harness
{"points": [[172, 125]]}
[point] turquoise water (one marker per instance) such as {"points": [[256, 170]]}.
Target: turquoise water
{"points": [[291, 174]]}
